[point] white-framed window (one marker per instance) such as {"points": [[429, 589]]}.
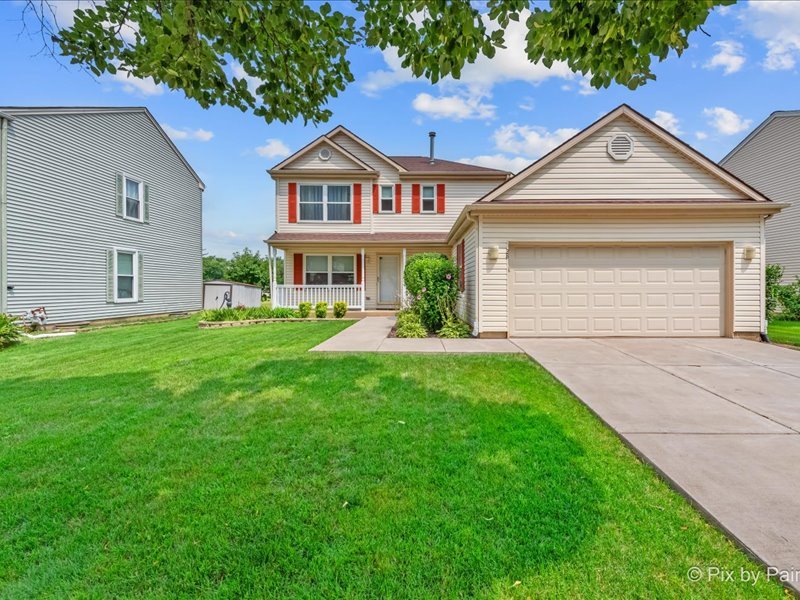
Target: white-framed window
{"points": [[126, 275], [428, 198], [387, 198], [132, 190], [333, 269], [325, 202]]}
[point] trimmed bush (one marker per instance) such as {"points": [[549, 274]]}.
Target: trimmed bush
{"points": [[321, 310], [10, 331], [247, 314], [304, 309], [409, 325], [339, 309], [432, 281], [455, 328]]}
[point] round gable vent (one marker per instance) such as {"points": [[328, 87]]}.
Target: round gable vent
{"points": [[620, 147], [325, 154]]}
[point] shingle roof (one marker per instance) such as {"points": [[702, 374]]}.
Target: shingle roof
{"points": [[361, 238], [422, 163]]}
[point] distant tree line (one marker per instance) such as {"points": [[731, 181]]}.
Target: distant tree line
{"points": [[245, 267]]}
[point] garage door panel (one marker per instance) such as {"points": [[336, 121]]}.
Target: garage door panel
{"points": [[613, 291]]}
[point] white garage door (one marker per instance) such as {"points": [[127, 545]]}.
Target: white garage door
{"points": [[616, 291]]}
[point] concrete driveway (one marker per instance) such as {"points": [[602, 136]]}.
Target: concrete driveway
{"points": [[719, 418]]}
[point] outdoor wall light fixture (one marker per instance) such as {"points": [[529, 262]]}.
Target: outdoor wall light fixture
{"points": [[494, 252], [749, 252]]}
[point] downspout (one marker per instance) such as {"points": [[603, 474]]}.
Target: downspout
{"points": [[763, 282], [3, 214]]}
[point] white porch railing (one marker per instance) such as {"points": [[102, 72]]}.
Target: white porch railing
{"points": [[290, 296]]}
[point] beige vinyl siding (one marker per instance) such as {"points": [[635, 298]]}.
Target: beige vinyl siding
{"points": [[62, 216], [466, 299], [310, 160], [770, 162], [743, 231], [371, 255], [388, 173], [654, 172]]}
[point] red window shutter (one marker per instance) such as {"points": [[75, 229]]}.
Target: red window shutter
{"points": [[358, 269], [375, 198], [415, 198], [440, 198], [357, 203], [292, 203], [462, 273], [398, 195], [298, 268]]}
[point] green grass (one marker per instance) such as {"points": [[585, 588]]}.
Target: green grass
{"points": [[785, 332], [161, 460]]}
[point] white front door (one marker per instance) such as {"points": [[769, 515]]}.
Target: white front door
{"points": [[388, 279]]}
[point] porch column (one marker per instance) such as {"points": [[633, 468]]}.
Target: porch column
{"points": [[402, 280], [272, 269], [363, 281]]}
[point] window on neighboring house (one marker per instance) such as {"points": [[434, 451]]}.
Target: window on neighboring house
{"points": [[125, 276], [330, 270], [387, 198], [133, 199], [320, 202], [428, 198]]}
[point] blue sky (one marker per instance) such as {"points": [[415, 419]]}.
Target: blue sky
{"points": [[504, 113]]}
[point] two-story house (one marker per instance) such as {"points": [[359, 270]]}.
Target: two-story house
{"points": [[100, 216], [349, 216], [623, 230]]}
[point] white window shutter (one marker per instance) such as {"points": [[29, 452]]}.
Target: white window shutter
{"points": [[145, 203], [120, 195], [110, 276], [140, 278]]}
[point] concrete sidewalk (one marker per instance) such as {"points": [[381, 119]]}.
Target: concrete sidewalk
{"points": [[372, 335], [719, 418]]}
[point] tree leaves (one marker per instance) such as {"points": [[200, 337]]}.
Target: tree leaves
{"points": [[285, 59]]}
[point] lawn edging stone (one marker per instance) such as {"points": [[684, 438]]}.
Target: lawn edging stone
{"points": [[221, 324]]}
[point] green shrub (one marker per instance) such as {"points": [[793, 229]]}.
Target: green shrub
{"points": [[789, 300], [247, 314], [339, 309], [304, 309], [283, 313], [409, 325], [10, 330], [321, 310], [773, 276], [455, 328], [432, 281]]}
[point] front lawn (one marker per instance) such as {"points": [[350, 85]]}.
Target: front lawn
{"points": [[785, 332], [162, 460]]}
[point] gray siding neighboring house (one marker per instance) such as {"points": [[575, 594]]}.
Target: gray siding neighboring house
{"points": [[769, 160], [100, 215]]}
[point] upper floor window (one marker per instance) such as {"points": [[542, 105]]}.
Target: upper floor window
{"points": [[133, 199], [321, 202], [387, 198], [428, 198]]}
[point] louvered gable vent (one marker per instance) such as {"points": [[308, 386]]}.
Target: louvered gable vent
{"points": [[620, 147]]}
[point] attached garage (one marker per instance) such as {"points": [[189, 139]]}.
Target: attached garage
{"points": [[607, 290]]}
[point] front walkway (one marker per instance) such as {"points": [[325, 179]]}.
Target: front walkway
{"points": [[372, 335], [719, 418]]}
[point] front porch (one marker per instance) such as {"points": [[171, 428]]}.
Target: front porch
{"points": [[367, 278]]}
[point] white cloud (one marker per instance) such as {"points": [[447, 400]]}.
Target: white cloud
{"points": [[668, 121], [729, 57], [527, 104], [456, 107], [200, 135], [585, 88], [498, 161], [252, 82], [509, 64], [274, 148], [778, 25], [701, 135], [136, 85], [726, 121], [529, 140]]}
